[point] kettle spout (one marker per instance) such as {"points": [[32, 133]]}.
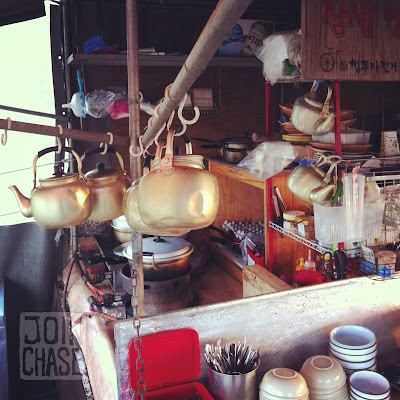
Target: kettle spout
{"points": [[323, 194], [325, 125], [23, 202]]}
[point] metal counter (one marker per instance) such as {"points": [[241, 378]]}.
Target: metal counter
{"points": [[288, 327]]}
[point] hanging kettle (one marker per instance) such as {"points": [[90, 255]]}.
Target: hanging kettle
{"points": [[131, 209], [58, 202], [108, 187], [311, 116], [310, 184], [178, 196]]}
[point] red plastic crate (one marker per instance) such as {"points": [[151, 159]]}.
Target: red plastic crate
{"points": [[171, 364]]}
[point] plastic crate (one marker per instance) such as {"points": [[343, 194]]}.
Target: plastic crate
{"points": [[344, 224]]}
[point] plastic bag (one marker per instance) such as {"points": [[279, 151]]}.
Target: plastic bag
{"points": [[271, 157], [99, 103], [275, 50]]}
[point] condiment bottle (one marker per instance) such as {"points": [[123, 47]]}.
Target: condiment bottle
{"points": [[299, 264], [310, 264]]}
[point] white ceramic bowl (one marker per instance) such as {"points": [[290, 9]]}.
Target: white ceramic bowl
{"points": [[357, 397], [269, 396], [369, 385], [330, 396], [352, 337], [284, 382], [356, 365], [349, 371], [323, 372], [353, 352], [358, 358]]}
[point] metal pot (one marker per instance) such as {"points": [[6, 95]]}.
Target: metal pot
{"points": [[107, 186], [233, 154], [311, 116], [163, 257], [161, 296], [122, 231]]}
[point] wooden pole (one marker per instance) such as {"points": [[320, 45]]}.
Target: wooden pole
{"points": [[75, 134]]}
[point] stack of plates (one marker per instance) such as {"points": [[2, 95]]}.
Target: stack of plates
{"points": [[297, 138], [283, 384], [354, 347], [325, 378], [369, 385]]}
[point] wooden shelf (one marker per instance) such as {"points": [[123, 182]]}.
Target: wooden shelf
{"points": [[159, 61], [231, 171]]}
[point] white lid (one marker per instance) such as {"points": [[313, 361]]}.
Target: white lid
{"points": [[164, 248]]}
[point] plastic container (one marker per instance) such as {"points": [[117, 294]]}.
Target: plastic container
{"points": [[344, 224], [172, 363]]}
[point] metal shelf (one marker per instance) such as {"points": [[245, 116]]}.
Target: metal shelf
{"points": [[299, 238], [159, 60]]}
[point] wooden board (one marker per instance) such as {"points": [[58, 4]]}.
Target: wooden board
{"points": [[351, 40], [258, 280]]}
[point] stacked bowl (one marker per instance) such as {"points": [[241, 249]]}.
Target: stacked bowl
{"points": [[354, 347], [325, 378], [369, 385], [283, 384]]}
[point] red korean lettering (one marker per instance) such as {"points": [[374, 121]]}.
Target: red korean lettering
{"points": [[391, 11], [329, 12], [366, 18], [354, 16]]}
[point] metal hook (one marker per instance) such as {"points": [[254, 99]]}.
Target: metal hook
{"points": [[182, 118], [106, 144], [59, 145], [4, 135], [141, 148]]}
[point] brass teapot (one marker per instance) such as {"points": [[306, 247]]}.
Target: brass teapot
{"points": [[310, 184], [130, 202], [178, 196], [61, 201], [108, 187], [311, 116]]}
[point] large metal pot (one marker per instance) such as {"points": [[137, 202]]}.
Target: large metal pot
{"points": [[161, 296], [164, 257]]}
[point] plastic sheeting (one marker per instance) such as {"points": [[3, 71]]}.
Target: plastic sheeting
{"points": [[12, 11]]}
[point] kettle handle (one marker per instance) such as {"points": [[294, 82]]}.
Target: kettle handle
{"points": [[325, 109], [166, 167], [100, 150], [328, 174], [51, 149]]}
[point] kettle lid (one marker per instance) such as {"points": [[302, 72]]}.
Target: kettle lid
{"points": [[101, 172]]}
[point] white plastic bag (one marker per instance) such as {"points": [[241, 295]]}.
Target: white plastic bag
{"points": [[276, 48], [271, 157]]}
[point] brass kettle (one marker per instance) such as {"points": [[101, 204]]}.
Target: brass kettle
{"points": [[108, 187], [61, 201], [130, 202], [178, 196], [310, 184], [311, 116]]}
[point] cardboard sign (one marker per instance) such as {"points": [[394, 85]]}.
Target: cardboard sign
{"points": [[351, 40]]}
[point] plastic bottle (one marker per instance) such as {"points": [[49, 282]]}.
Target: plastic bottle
{"points": [[254, 38], [310, 264]]}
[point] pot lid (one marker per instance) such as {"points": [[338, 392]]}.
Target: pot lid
{"points": [[237, 140], [164, 248], [101, 173]]}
